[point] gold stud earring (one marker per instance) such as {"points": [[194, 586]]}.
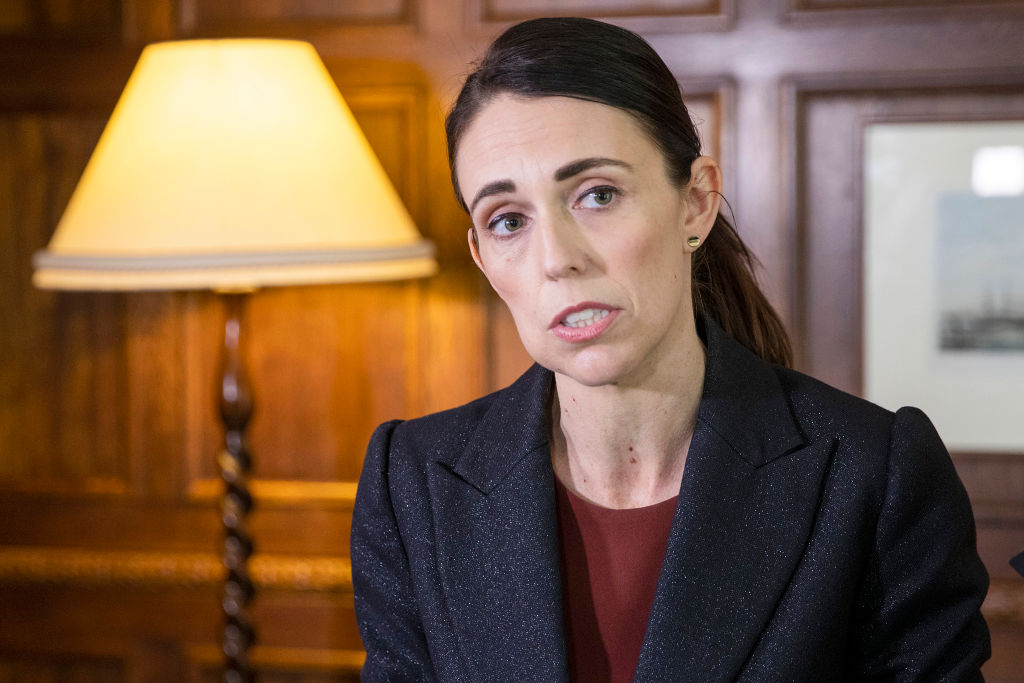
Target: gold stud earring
{"points": [[693, 241]]}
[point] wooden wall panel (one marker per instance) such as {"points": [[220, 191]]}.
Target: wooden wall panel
{"points": [[108, 426], [711, 102], [509, 10], [287, 665], [72, 442], [22, 669], [646, 16], [898, 4], [267, 12], [995, 482], [393, 121], [325, 362], [59, 17]]}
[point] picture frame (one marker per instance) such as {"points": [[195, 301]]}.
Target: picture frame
{"points": [[943, 275]]}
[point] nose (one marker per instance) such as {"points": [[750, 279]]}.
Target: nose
{"points": [[564, 248]]}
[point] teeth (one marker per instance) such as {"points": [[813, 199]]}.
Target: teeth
{"points": [[587, 316]]}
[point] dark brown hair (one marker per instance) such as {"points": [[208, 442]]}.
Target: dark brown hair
{"points": [[591, 60]]}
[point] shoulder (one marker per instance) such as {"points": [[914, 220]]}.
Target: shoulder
{"points": [[446, 434], [767, 411], [772, 409], [880, 459], [822, 410], [859, 427], [437, 432]]}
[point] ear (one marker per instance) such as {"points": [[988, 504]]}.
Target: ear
{"points": [[703, 197], [474, 249]]}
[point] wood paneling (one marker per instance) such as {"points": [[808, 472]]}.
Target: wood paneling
{"points": [[268, 12], [995, 482], [348, 351], [897, 4], [62, 18], [646, 16], [154, 571], [108, 427], [72, 441], [393, 120], [288, 665], [508, 10], [23, 669]]}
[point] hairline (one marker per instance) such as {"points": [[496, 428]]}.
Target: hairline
{"points": [[645, 126]]}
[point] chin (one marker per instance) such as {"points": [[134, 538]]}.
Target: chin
{"points": [[590, 369]]}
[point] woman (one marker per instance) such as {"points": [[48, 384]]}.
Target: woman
{"points": [[660, 498]]}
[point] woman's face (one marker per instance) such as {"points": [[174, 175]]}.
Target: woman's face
{"points": [[582, 233]]}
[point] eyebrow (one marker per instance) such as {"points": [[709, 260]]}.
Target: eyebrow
{"points": [[497, 187], [563, 173], [577, 167]]}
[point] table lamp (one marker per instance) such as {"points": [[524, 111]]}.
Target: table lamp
{"points": [[231, 165]]}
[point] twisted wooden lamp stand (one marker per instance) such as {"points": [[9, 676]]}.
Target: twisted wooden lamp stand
{"points": [[235, 464]]}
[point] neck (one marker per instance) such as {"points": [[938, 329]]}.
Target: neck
{"points": [[624, 445]]}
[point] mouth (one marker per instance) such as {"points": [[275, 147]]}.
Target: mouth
{"points": [[583, 322], [585, 318]]}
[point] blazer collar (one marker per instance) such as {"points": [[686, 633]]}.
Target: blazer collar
{"points": [[497, 542], [747, 504], [742, 402], [517, 423], [746, 508]]}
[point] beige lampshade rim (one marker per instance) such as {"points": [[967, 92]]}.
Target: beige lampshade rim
{"points": [[165, 262]]}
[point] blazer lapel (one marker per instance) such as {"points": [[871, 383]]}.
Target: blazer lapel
{"points": [[497, 542], [746, 508]]}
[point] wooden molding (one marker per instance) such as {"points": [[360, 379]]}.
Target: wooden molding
{"points": [[160, 570], [203, 658], [238, 16], [898, 5], [88, 487], [652, 17], [403, 151], [281, 493]]}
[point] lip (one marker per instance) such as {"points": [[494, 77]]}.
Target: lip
{"points": [[576, 335]]}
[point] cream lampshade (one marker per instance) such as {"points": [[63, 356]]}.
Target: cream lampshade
{"points": [[231, 164]]}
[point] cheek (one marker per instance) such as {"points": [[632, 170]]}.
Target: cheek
{"points": [[652, 252], [500, 271], [520, 297], [508, 283]]}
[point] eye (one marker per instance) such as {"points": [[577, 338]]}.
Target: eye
{"points": [[597, 197], [506, 223]]}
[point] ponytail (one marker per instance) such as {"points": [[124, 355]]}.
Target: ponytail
{"points": [[725, 288]]}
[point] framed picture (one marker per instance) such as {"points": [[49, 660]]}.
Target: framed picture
{"points": [[943, 273]]}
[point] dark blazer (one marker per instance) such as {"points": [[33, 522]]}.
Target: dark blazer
{"points": [[817, 538]]}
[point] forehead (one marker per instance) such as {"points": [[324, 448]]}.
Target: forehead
{"points": [[512, 135]]}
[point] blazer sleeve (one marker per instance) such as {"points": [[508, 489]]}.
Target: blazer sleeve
{"points": [[385, 605], [925, 582]]}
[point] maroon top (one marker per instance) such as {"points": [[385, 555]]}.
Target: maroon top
{"points": [[610, 565]]}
